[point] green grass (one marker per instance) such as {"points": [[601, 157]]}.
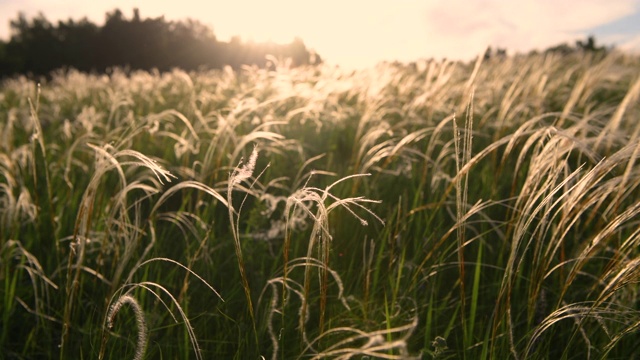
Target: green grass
{"points": [[433, 210]]}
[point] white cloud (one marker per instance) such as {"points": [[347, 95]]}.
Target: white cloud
{"points": [[464, 28], [629, 43]]}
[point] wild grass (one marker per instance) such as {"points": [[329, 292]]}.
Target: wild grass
{"points": [[430, 210]]}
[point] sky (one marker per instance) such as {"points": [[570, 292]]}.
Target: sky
{"points": [[360, 33]]}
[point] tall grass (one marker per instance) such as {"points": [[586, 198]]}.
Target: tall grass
{"points": [[487, 210]]}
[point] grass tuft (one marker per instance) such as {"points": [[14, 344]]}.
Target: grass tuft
{"points": [[438, 209]]}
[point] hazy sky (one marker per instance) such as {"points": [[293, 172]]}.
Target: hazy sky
{"points": [[357, 33]]}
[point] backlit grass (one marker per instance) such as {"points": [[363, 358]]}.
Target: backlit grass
{"points": [[433, 210]]}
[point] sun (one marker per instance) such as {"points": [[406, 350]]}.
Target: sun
{"points": [[279, 21]]}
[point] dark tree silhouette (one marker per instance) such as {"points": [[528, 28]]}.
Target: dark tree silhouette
{"points": [[588, 46], [38, 47]]}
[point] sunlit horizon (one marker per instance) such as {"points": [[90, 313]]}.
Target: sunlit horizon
{"points": [[361, 33]]}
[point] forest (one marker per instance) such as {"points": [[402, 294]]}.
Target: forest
{"points": [[37, 46]]}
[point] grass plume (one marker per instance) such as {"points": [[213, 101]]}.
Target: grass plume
{"points": [[500, 197]]}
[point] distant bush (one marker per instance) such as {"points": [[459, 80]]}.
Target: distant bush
{"points": [[585, 46]]}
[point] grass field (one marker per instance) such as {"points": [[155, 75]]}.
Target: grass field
{"points": [[443, 210]]}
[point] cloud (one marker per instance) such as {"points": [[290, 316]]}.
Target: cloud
{"points": [[627, 43], [462, 29]]}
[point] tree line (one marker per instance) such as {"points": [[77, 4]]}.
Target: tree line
{"points": [[37, 46], [580, 46]]}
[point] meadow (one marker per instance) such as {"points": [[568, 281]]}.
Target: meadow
{"points": [[435, 210]]}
